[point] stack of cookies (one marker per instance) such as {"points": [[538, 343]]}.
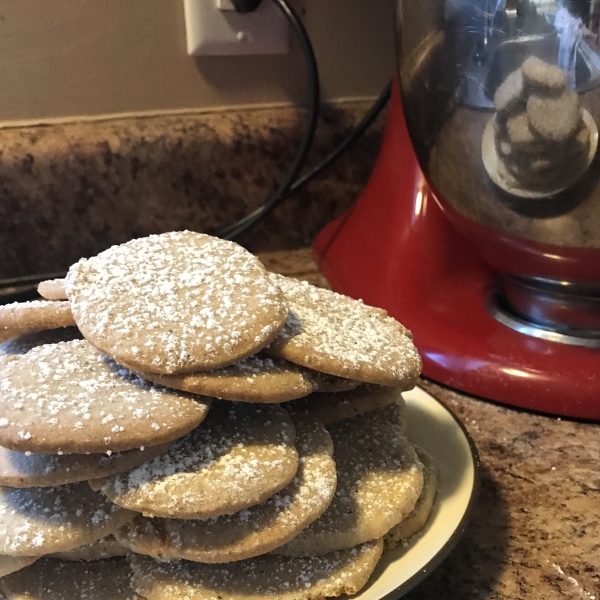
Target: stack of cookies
{"points": [[541, 136], [177, 423]]}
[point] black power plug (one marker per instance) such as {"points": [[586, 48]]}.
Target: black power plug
{"points": [[245, 6]]}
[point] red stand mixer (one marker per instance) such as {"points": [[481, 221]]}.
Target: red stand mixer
{"points": [[495, 271]]}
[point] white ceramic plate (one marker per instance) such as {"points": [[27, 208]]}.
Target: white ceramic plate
{"points": [[435, 428], [502, 178]]}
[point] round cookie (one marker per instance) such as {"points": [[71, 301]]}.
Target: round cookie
{"points": [[107, 547], [416, 520], [310, 578], [52, 289], [11, 564], [70, 398], [37, 314], [510, 95], [39, 521], [542, 75], [21, 344], [241, 455], [51, 579], [258, 378], [179, 302], [340, 336], [5, 359], [555, 119], [380, 480], [330, 408], [254, 530], [25, 470], [519, 133]]}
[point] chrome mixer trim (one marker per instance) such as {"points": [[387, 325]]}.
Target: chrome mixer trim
{"points": [[572, 337], [585, 289], [570, 307]]}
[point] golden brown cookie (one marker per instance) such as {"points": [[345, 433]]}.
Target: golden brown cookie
{"points": [[39, 521], [258, 378], [380, 480], [241, 455], [107, 547], [7, 358], [329, 408], [543, 76], [52, 289], [25, 470], [555, 119], [21, 344], [70, 398], [254, 530], [520, 134], [179, 302], [340, 336], [51, 579], [37, 314], [416, 520], [11, 564], [310, 578]]}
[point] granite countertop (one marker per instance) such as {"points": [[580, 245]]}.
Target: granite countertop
{"points": [[73, 190], [536, 531]]}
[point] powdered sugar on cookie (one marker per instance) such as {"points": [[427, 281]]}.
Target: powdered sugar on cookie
{"points": [[341, 336], [380, 479], [254, 530], [311, 578], [69, 397], [179, 302], [37, 314], [239, 456], [38, 521]]}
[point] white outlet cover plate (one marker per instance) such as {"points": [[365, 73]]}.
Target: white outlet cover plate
{"points": [[211, 31]]}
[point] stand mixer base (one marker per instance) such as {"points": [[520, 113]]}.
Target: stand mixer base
{"points": [[396, 249]]}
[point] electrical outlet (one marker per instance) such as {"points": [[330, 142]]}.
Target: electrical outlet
{"points": [[212, 28]]}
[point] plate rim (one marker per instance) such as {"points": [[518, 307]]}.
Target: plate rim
{"points": [[451, 543]]}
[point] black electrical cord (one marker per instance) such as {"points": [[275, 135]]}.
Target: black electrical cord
{"points": [[356, 132], [239, 227], [371, 115]]}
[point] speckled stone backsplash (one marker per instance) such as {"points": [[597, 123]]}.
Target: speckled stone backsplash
{"points": [[68, 191]]}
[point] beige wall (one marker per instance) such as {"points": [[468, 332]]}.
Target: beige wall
{"points": [[68, 58]]}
